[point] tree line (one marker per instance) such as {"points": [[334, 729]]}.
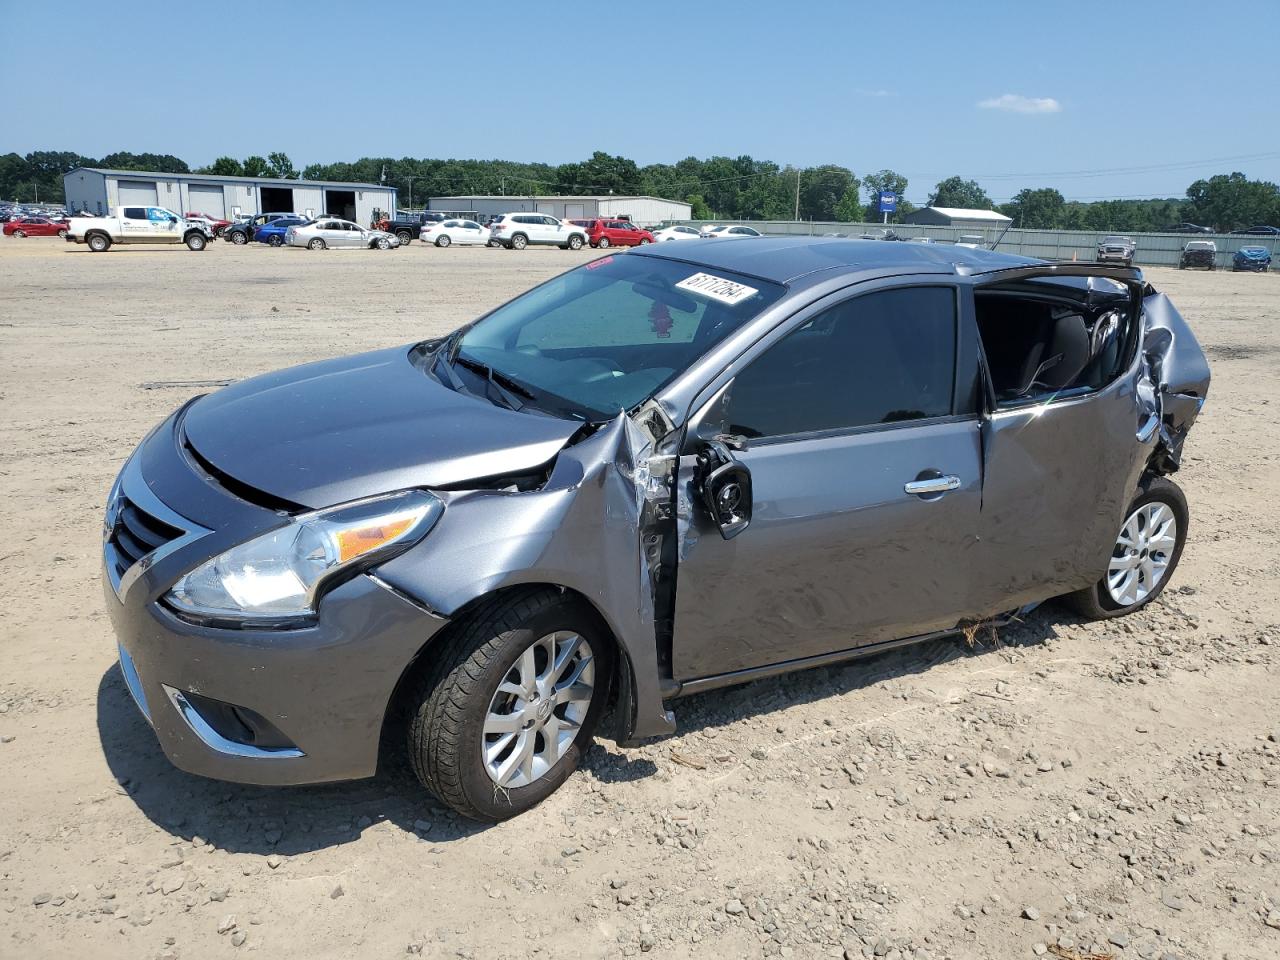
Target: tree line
{"points": [[741, 188]]}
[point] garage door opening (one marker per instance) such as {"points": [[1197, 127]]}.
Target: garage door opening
{"points": [[340, 203], [277, 199]]}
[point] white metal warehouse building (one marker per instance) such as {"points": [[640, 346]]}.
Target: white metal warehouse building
{"points": [[956, 217], [99, 191], [642, 210]]}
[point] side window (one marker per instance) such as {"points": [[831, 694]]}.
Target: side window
{"points": [[135, 213], [880, 358], [1042, 343]]}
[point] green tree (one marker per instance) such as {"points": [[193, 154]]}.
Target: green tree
{"points": [[1042, 209], [850, 209], [224, 167], [160, 162], [821, 190], [957, 192], [1232, 201], [700, 209], [281, 166], [256, 166]]}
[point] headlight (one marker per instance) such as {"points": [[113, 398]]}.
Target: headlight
{"points": [[279, 575]]}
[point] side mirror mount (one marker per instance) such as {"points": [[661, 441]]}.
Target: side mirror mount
{"points": [[725, 487]]}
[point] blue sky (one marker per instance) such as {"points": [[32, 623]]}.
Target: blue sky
{"points": [[1011, 94]]}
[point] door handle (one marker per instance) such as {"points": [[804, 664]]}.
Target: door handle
{"points": [[932, 485]]}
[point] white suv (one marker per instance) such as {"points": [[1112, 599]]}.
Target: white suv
{"points": [[515, 231]]}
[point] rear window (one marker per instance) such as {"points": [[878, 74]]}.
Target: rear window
{"points": [[135, 213]]}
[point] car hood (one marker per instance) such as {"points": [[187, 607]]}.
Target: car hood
{"points": [[358, 426]]}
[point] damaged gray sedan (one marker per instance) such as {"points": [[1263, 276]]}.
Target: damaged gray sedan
{"points": [[656, 474]]}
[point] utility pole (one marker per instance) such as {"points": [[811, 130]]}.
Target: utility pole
{"points": [[503, 181], [797, 217]]}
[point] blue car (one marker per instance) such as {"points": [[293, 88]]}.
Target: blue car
{"points": [[273, 233], [1257, 259]]}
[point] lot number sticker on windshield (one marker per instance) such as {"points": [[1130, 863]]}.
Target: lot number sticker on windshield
{"points": [[717, 288]]}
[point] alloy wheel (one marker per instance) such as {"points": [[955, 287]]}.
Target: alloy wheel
{"points": [[1142, 553], [538, 709]]}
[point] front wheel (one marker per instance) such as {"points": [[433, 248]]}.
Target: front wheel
{"points": [[99, 242], [62, 234], [644, 241], [19, 234], [382, 243], [405, 236], [275, 241], [1146, 553], [195, 241], [316, 244], [508, 707], [443, 241], [575, 242]]}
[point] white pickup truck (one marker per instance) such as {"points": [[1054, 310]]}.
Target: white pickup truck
{"points": [[138, 225]]}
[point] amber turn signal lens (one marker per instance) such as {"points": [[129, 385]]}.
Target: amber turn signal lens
{"points": [[357, 541]]}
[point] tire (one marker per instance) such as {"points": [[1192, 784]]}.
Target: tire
{"points": [[644, 242], [195, 241], [98, 242], [20, 234], [443, 241], [382, 243], [519, 242], [316, 244], [275, 241], [1098, 602], [62, 234], [238, 238], [493, 243], [603, 243], [220, 233], [449, 704], [1181, 265], [575, 242], [405, 236]]}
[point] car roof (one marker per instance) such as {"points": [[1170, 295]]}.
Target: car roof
{"points": [[786, 259]]}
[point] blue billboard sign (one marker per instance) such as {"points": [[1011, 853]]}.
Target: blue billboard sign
{"points": [[888, 201]]}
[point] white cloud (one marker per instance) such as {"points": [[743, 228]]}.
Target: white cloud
{"points": [[875, 93], [1016, 103]]}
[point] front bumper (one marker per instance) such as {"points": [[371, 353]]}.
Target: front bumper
{"points": [[323, 689], [1121, 257]]}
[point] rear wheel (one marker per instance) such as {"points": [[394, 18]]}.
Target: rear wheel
{"points": [[443, 240], [603, 243], [195, 241], [62, 234], [19, 234], [275, 240], [404, 235], [316, 244], [644, 241], [1146, 553], [504, 714], [98, 242], [519, 241], [575, 242]]}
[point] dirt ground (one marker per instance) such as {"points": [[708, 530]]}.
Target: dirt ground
{"points": [[1077, 790]]}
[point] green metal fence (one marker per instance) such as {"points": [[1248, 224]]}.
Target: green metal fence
{"points": [[1153, 249]]}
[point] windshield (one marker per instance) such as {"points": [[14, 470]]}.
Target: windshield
{"points": [[606, 336]]}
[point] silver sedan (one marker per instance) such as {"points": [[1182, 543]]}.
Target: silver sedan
{"points": [[326, 232]]}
